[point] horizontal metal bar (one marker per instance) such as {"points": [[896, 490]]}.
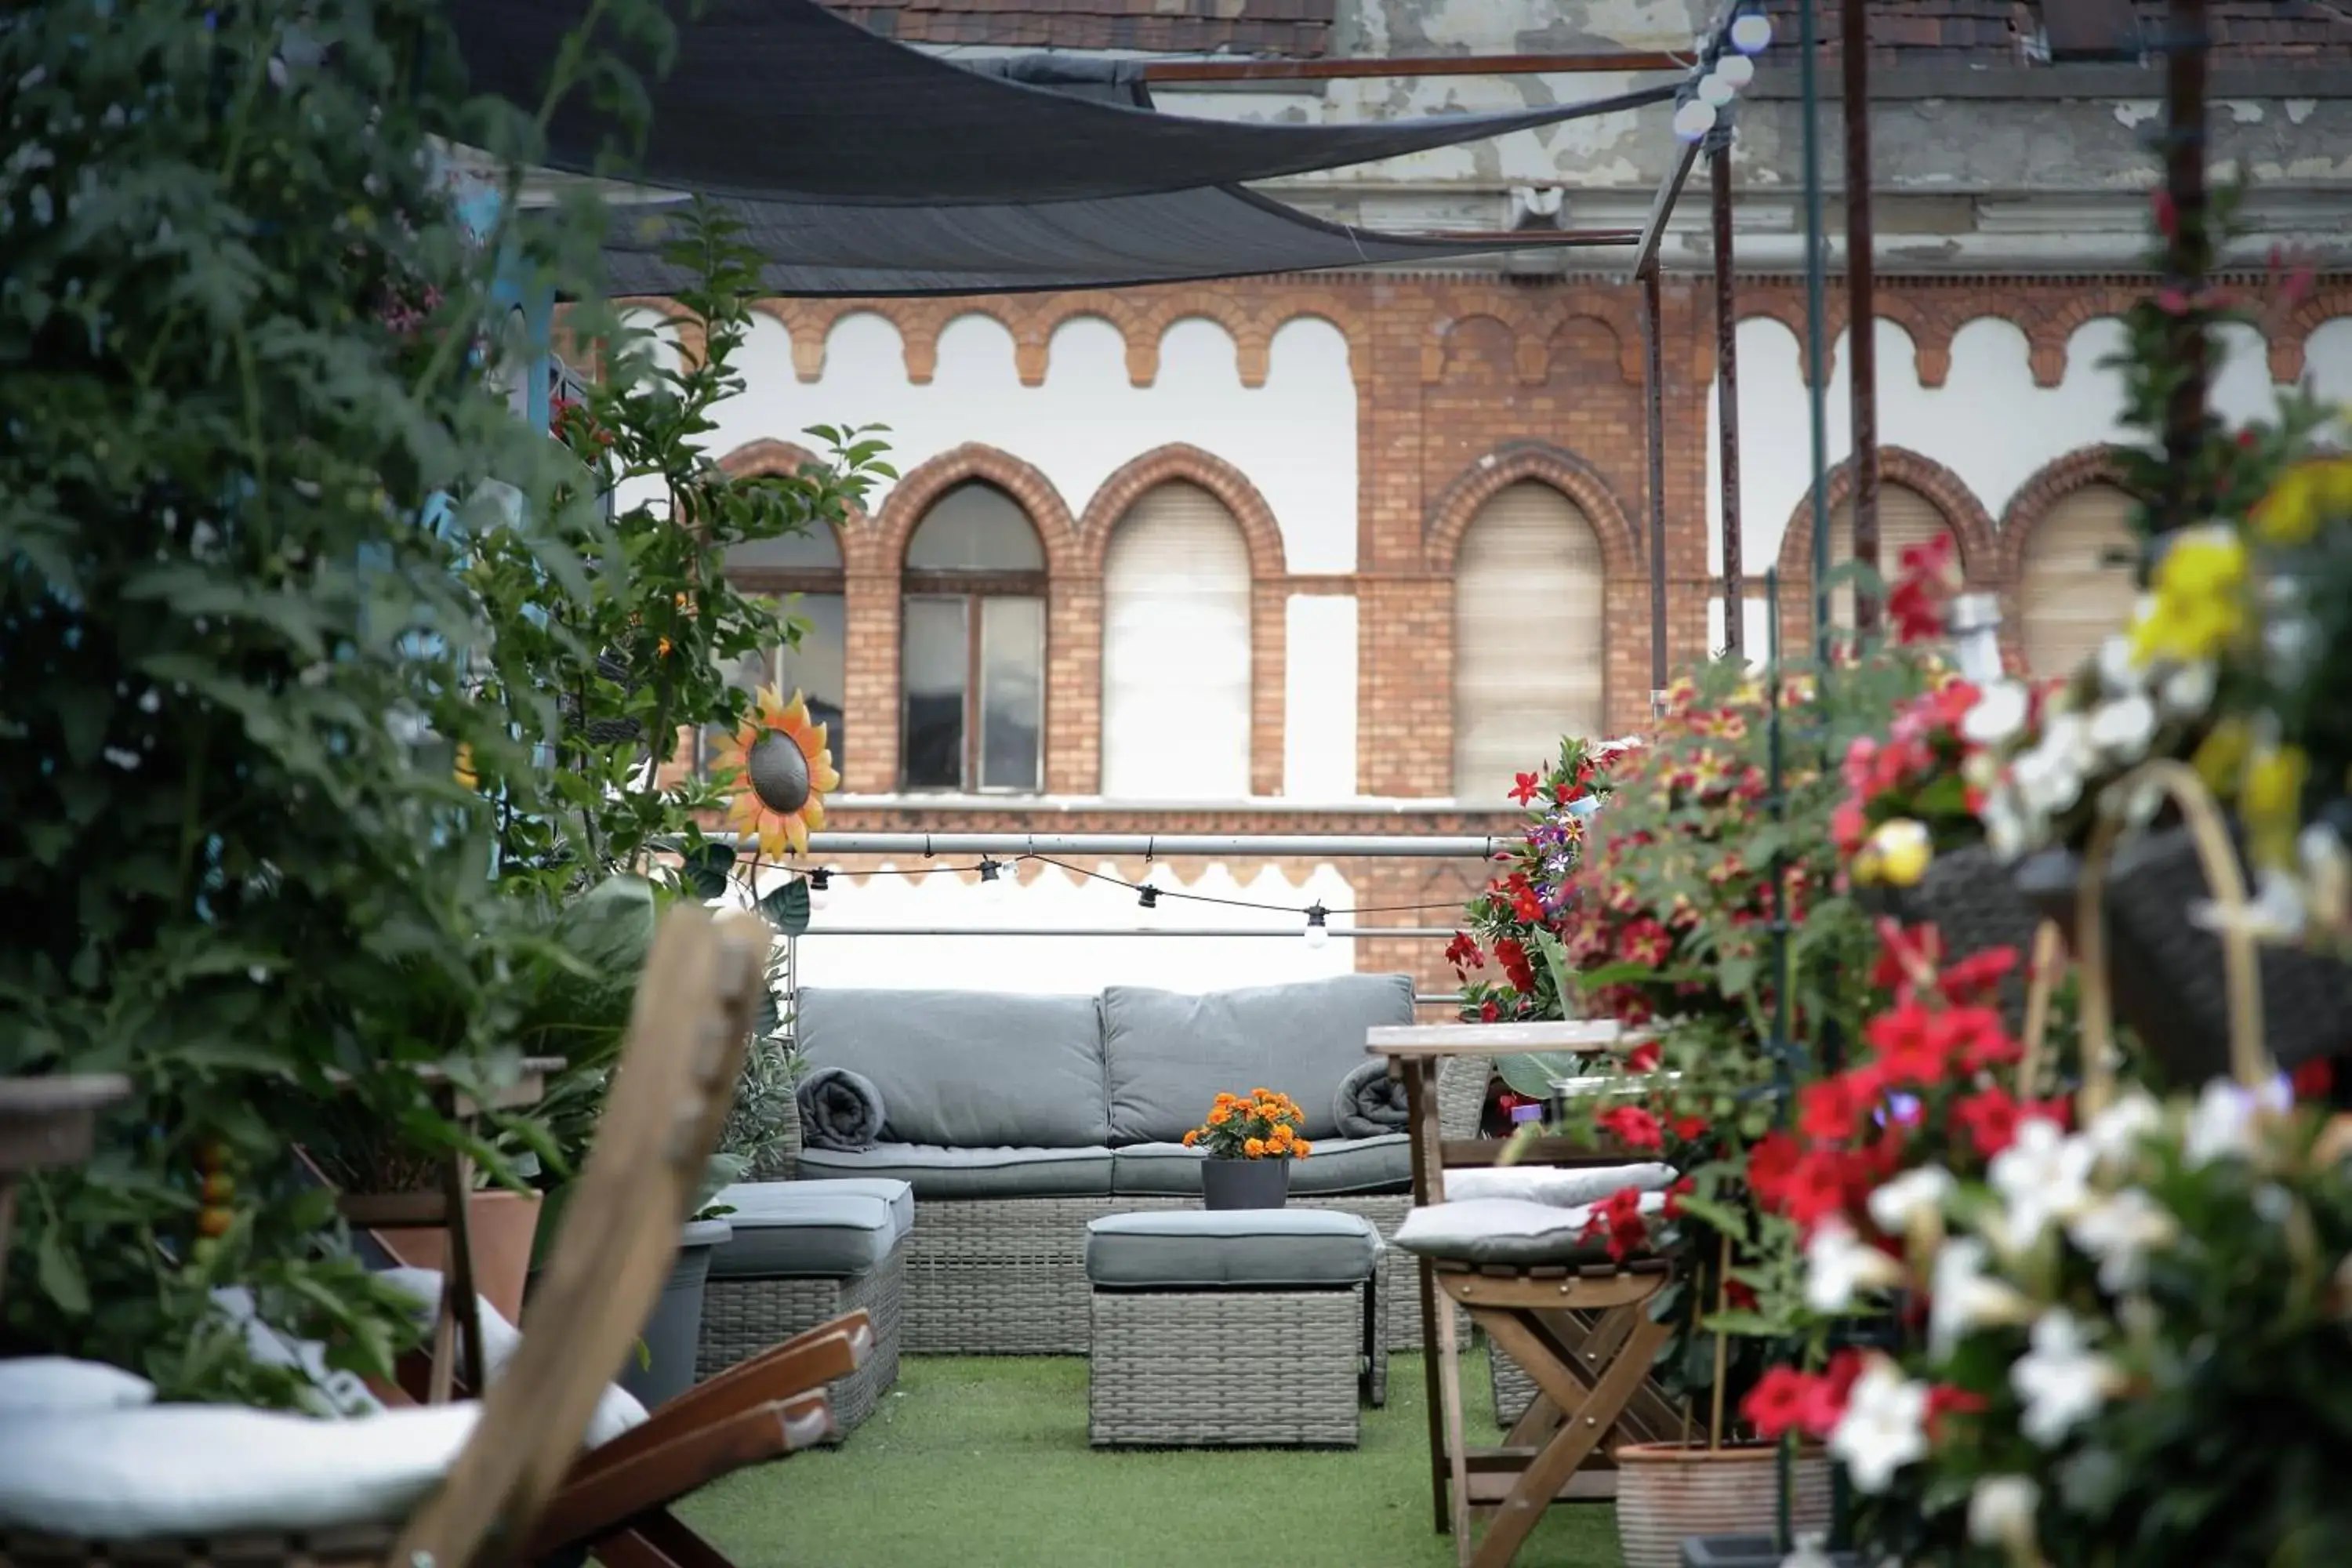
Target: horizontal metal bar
{"points": [[1423, 65], [1294, 932], [1527, 238], [1151, 845]]}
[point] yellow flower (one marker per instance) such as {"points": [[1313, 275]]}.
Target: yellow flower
{"points": [[1301, 1148], [2302, 499], [2271, 799], [772, 723], [1192, 1138], [1898, 853], [2220, 759], [2196, 604], [466, 775]]}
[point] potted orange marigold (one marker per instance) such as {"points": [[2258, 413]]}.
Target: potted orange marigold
{"points": [[1250, 1140]]}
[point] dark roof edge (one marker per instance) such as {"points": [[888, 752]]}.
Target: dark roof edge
{"points": [[1946, 79]]}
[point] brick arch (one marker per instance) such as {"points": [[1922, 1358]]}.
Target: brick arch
{"points": [[1451, 515], [1970, 523], [1314, 305], [1789, 311], [1930, 332], [2327, 303], [1180, 462], [2039, 495], [1439, 347], [913, 495]]}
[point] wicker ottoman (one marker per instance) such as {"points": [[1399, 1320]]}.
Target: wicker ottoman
{"points": [[803, 1253], [1233, 1328]]}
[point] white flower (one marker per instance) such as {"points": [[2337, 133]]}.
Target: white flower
{"points": [[1998, 714], [2049, 774], [2004, 826], [2222, 1127], [2118, 671], [2120, 1232], [2123, 729], [1809, 1552], [2116, 1132], [2187, 691], [1885, 1426], [2276, 913], [1839, 1265], [1981, 769], [2062, 1380], [1962, 1297], [2001, 1509], [2043, 1175], [2326, 874], [1896, 1206]]}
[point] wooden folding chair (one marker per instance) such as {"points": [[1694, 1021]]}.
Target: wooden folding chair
{"points": [[473, 1484]]}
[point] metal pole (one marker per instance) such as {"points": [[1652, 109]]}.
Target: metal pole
{"points": [[1273, 845], [1653, 309], [1861, 314], [1410, 65], [2188, 260], [1288, 933], [1726, 361], [1816, 353]]}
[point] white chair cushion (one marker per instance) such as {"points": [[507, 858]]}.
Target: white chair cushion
{"points": [[616, 1412], [171, 1470], [1510, 1232], [55, 1384], [1567, 1187], [339, 1392]]}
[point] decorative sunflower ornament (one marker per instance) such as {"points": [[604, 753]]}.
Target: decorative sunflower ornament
{"points": [[783, 770]]}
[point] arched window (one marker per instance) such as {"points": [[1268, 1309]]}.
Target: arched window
{"points": [[973, 661], [1905, 518], [1530, 637], [2075, 586], [1176, 650], [803, 573]]}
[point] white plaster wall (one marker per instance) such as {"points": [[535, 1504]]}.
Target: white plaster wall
{"points": [[1319, 731], [1989, 423], [1294, 437], [1056, 900]]}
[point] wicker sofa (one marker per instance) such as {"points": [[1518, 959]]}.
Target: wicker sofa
{"points": [[1018, 1119]]}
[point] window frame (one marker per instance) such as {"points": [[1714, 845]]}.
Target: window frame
{"points": [[973, 591], [784, 584]]}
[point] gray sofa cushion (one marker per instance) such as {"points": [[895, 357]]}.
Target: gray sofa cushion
{"points": [[937, 1172], [801, 1230], [1204, 1248], [1169, 1055], [755, 1201], [967, 1069], [1338, 1167]]}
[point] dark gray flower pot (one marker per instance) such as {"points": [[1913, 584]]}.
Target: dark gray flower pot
{"points": [[1745, 1552], [1244, 1184], [667, 1369]]}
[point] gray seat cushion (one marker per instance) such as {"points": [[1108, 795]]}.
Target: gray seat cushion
{"points": [[1168, 1055], [753, 1201], [937, 1172], [967, 1069], [1512, 1233], [801, 1231], [1207, 1249], [1339, 1166]]}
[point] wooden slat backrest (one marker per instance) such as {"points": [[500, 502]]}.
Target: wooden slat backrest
{"points": [[687, 1034]]}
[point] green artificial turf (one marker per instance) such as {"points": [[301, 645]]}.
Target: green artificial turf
{"points": [[984, 1462]]}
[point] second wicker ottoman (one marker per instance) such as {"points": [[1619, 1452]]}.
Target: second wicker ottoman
{"points": [[1233, 1328], [804, 1253]]}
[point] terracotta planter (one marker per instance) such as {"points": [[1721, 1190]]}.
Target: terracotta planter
{"points": [[1244, 1184], [502, 1225], [1666, 1492]]}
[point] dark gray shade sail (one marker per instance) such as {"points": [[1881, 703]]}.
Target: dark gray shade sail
{"points": [[780, 99], [821, 248]]}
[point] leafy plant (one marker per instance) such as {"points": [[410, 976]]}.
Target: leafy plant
{"points": [[1260, 1125]]}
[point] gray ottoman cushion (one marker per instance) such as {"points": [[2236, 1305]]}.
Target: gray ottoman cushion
{"points": [[937, 1172], [755, 1200], [801, 1231], [1205, 1249], [1338, 1167], [970, 1070], [1169, 1055]]}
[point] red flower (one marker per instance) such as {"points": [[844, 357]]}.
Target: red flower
{"points": [[2315, 1079], [1771, 1162], [1645, 1058], [1488, 1011], [1619, 1217], [1943, 1400], [1632, 1126], [1777, 1405], [1690, 1129], [1825, 1182], [1975, 978], [1675, 1196], [1849, 828], [1830, 1111], [1524, 790], [1988, 1119], [1826, 1395], [1513, 957], [1463, 954], [1647, 942]]}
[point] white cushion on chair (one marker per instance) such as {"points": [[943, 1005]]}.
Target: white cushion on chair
{"points": [[55, 1385], [1564, 1187], [616, 1412], [1509, 1232], [173, 1470], [339, 1392]]}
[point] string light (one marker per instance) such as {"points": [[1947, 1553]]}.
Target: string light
{"points": [[1715, 89], [1737, 69], [1148, 896], [1693, 120], [820, 887], [1319, 928], [993, 883], [1751, 32]]}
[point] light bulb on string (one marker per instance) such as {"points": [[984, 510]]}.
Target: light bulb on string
{"points": [[1751, 32], [1715, 89], [1737, 69], [1694, 120], [994, 885], [1318, 926], [1147, 897], [820, 887]]}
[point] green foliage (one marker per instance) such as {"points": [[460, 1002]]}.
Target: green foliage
{"points": [[239, 321]]}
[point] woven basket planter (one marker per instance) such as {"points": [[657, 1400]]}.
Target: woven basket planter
{"points": [[2166, 972], [1972, 899], [1665, 1492]]}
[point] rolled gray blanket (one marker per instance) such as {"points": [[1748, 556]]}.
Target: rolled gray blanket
{"points": [[840, 1109], [1370, 1102]]}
